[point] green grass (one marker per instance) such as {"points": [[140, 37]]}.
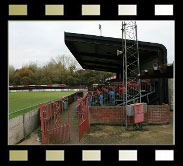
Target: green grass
{"points": [[22, 100]]}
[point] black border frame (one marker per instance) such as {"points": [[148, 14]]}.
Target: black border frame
{"points": [[73, 153]]}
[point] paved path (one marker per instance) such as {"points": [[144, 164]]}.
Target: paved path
{"points": [[73, 120]]}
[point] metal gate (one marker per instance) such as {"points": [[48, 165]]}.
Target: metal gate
{"points": [[55, 122], [83, 116]]}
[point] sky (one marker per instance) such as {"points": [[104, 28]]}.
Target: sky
{"points": [[40, 41]]}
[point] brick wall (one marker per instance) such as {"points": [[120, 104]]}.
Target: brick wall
{"points": [[171, 92], [157, 114], [106, 114], [116, 114]]}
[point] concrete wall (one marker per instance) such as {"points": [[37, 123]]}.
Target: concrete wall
{"points": [[171, 91], [116, 115], [22, 126]]}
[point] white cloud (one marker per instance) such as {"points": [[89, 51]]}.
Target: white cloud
{"points": [[39, 41]]}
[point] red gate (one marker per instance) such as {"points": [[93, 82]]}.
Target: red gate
{"points": [[55, 122], [83, 116]]}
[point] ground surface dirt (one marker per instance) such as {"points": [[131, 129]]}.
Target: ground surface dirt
{"points": [[33, 139], [114, 134], [152, 134]]}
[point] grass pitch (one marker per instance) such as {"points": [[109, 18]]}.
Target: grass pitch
{"points": [[27, 101]]}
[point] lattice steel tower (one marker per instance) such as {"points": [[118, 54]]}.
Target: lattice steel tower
{"points": [[131, 66]]}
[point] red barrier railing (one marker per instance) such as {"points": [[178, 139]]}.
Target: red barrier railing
{"points": [[55, 122], [83, 116]]}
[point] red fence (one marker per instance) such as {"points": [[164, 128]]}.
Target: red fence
{"points": [[83, 116], [55, 122]]}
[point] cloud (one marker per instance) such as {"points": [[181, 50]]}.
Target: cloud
{"points": [[39, 41]]}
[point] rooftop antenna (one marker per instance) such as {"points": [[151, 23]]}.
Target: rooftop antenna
{"points": [[100, 27]]}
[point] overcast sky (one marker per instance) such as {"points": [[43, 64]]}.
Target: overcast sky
{"points": [[39, 41]]}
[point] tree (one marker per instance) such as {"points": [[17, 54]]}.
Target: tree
{"points": [[33, 66], [11, 73], [61, 70], [24, 76]]}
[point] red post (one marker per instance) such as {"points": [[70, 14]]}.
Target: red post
{"points": [[63, 119], [52, 121], [78, 120], [68, 118], [48, 123], [54, 108], [42, 122]]}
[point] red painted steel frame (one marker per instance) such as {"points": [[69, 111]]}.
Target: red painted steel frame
{"points": [[55, 122], [83, 116]]}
